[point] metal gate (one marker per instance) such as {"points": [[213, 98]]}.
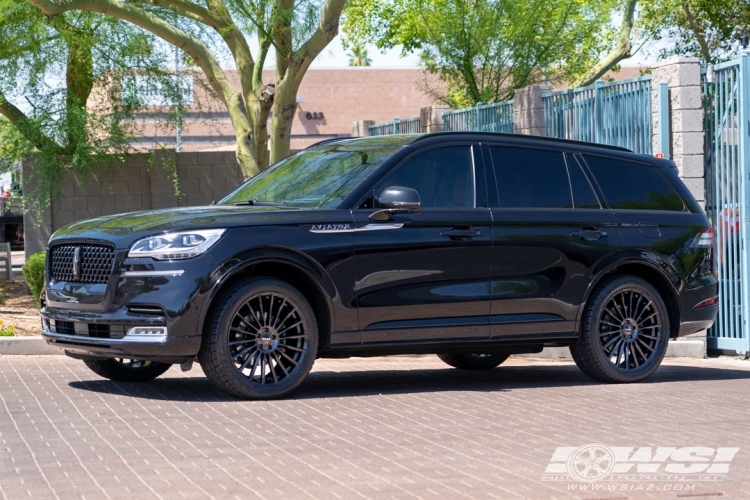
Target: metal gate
{"points": [[726, 101], [614, 113]]}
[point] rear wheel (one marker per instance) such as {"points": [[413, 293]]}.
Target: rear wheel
{"points": [[476, 361], [624, 332], [261, 341], [127, 370]]}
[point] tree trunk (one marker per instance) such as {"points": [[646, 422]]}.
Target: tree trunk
{"points": [[284, 106]]}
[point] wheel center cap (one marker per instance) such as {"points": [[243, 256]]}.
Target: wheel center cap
{"points": [[267, 340], [629, 331]]}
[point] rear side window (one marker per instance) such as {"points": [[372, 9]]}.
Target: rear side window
{"points": [[531, 178], [633, 186]]}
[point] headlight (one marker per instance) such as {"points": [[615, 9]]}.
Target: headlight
{"points": [[174, 246]]}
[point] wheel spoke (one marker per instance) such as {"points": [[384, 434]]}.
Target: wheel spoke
{"points": [[271, 368], [281, 332], [275, 322], [640, 351], [615, 315], [650, 337], [610, 342], [255, 365], [621, 345], [643, 311], [605, 322], [247, 362], [293, 337], [262, 370], [644, 344], [280, 364], [297, 349], [289, 358], [634, 356], [244, 351]]}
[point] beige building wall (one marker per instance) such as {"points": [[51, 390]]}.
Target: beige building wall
{"points": [[329, 100]]}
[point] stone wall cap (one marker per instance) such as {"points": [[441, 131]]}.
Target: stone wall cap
{"points": [[676, 60]]}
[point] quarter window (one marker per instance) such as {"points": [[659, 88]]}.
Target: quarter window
{"points": [[531, 178], [634, 186], [443, 177]]}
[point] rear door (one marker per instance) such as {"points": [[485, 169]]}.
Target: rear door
{"points": [[550, 236], [424, 276]]}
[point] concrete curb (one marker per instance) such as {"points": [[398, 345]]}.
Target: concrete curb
{"points": [[675, 349], [12, 346]]}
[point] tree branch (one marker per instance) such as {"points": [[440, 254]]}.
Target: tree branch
{"points": [[620, 52], [699, 35], [26, 126], [328, 28]]}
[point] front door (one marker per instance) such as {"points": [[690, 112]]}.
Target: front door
{"points": [[424, 276]]}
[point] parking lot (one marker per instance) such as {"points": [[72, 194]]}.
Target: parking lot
{"points": [[401, 427]]}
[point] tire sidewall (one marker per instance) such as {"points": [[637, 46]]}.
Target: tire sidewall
{"points": [[234, 302], [591, 328]]}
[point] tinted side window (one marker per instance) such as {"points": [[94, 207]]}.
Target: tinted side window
{"points": [[443, 177], [634, 186], [583, 193], [531, 178]]}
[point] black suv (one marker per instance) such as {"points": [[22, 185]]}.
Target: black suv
{"points": [[472, 246]]}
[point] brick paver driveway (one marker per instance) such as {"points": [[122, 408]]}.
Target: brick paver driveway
{"points": [[404, 427]]}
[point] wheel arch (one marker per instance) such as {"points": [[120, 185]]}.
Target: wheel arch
{"points": [[651, 272], [289, 266]]}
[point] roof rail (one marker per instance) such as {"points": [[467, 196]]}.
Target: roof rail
{"points": [[522, 137]]}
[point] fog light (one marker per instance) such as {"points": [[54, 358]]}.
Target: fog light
{"points": [[156, 334]]}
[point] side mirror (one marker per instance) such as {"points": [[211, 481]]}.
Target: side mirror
{"points": [[397, 200]]}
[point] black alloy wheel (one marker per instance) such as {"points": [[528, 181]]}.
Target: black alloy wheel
{"points": [[624, 332], [261, 341], [127, 370], [476, 361]]}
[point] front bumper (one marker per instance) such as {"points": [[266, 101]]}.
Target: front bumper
{"points": [[121, 334]]}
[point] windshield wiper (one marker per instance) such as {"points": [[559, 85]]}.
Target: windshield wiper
{"points": [[259, 203]]}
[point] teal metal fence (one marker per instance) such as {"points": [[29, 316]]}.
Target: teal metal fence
{"points": [[496, 117], [397, 126], [615, 113], [726, 102]]}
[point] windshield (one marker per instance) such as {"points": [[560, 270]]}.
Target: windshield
{"points": [[318, 177]]}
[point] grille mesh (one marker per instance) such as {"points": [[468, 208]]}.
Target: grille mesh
{"points": [[95, 266]]}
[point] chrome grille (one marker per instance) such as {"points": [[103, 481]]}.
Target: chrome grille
{"points": [[95, 264]]}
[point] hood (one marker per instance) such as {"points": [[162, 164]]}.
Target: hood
{"points": [[123, 229]]}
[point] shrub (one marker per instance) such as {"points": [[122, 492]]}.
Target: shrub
{"points": [[33, 269], [6, 331]]}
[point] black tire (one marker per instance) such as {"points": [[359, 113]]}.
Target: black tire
{"points": [[624, 331], [127, 370], [476, 361], [261, 339]]}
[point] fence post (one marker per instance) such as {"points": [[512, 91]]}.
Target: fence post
{"points": [[480, 121], [396, 126], [528, 110], [663, 119], [686, 135], [743, 116], [598, 112], [361, 128]]}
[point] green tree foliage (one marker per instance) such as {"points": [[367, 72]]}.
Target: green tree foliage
{"points": [[483, 50], [59, 91], [707, 29], [33, 271], [292, 31]]}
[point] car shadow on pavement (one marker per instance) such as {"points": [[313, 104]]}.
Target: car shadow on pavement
{"points": [[333, 384]]}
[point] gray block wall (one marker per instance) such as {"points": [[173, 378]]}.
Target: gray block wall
{"points": [[137, 184]]}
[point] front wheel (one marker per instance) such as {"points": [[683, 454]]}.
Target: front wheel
{"points": [[261, 341], [624, 332], [477, 361], [127, 370]]}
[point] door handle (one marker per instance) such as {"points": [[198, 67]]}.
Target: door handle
{"points": [[589, 234], [461, 233]]}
